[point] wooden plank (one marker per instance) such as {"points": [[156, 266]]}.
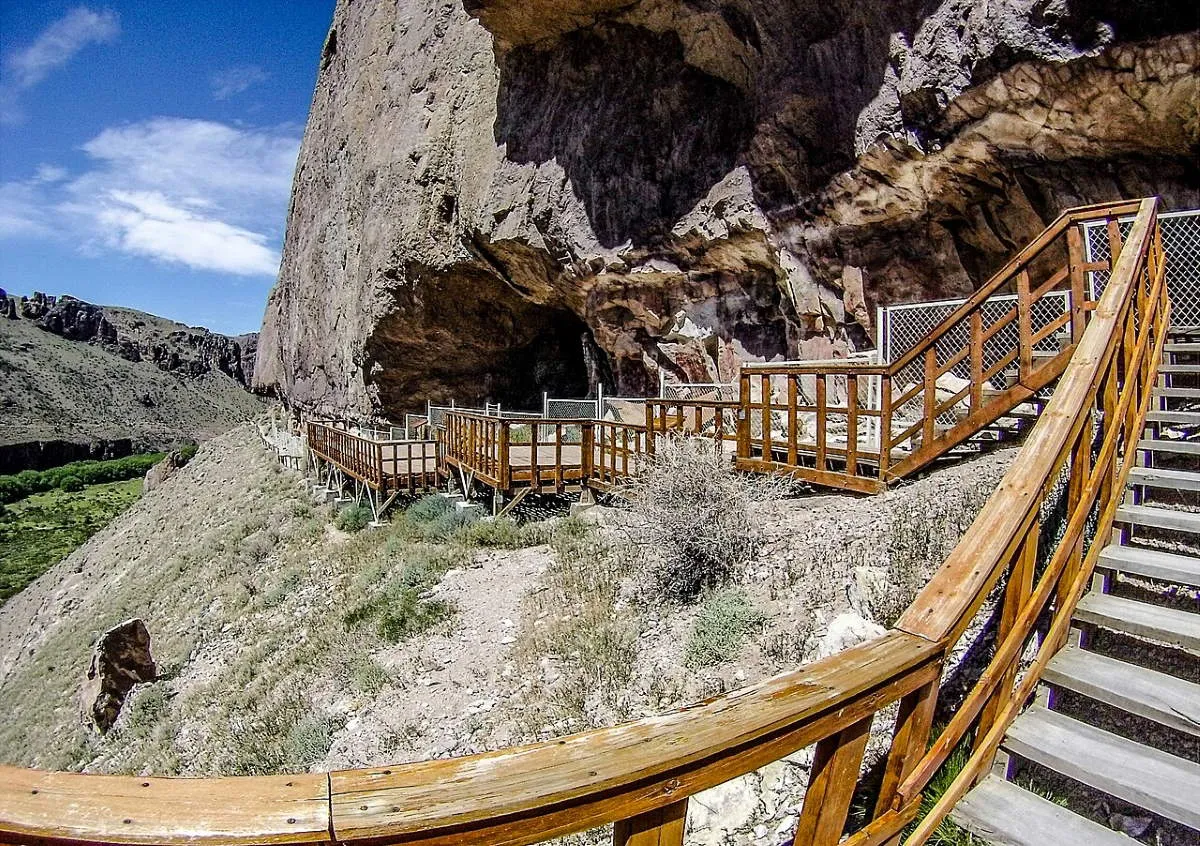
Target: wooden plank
{"points": [[1024, 325], [831, 785], [76, 808], [1137, 690], [1075, 260], [660, 827], [1006, 815], [976, 359], [1147, 777], [852, 425], [1175, 447], [909, 741], [793, 431]]}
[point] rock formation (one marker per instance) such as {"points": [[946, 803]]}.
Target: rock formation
{"points": [[121, 659], [129, 334], [500, 197]]}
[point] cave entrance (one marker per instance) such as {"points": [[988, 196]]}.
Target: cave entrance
{"points": [[466, 336]]}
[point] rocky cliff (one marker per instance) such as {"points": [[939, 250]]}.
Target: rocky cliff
{"points": [[80, 381], [496, 198]]}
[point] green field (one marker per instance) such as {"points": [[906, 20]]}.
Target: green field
{"points": [[40, 530]]}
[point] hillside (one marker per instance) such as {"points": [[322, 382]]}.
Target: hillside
{"points": [[284, 643], [80, 381]]}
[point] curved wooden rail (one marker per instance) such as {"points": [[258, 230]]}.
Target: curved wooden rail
{"points": [[639, 775]]}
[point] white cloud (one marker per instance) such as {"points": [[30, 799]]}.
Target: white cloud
{"points": [[54, 47], [234, 80], [50, 173], [193, 192], [148, 224]]}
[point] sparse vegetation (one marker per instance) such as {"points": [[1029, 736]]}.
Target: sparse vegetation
{"points": [[692, 518], [725, 618]]}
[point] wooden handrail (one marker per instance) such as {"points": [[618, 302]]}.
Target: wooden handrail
{"points": [[640, 774]]}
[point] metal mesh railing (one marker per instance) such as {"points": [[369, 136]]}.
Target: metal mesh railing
{"points": [[558, 408], [1181, 241], [723, 391]]}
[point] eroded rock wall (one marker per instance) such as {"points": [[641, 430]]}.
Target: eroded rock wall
{"points": [[507, 197]]}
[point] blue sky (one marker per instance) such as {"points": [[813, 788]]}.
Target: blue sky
{"points": [[147, 150]]}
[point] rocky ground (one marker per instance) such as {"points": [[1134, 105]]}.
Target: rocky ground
{"points": [[247, 591]]}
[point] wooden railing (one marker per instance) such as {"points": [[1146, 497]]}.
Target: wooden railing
{"points": [[639, 775], [861, 426], [385, 466], [613, 452]]}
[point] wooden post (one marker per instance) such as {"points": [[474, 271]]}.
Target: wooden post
{"points": [[505, 475], [587, 456], [766, 418], [1075, 261], [822, 422], [743, 419], [930, 384], [885, 425], [831, 785], [852, 425], [1024, 327], [793, 430], [649, 430], [660, 827], [976, 359], [1016, 594], [909, 742]]}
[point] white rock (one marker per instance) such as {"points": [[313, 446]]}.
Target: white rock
{"points": [[847, 630]]}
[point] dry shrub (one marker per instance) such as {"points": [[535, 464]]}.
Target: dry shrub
{"points": [[692, 517]]}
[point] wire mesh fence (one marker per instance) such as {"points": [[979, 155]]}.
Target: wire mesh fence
{"points": [[562, 408], [1181, 241], [723, 391]]}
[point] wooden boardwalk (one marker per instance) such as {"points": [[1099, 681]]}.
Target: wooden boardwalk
{"points": [[1025, 547]]}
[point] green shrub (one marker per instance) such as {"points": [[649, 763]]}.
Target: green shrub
{"points": [[70, 483], [29, 482], [429, 508], [188, 451], [724, 619], [353, 518], [425, 565], [410, 615], [447, 525]]}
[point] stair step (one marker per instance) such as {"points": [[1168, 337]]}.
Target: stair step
{"points": [[1156, 477], [1185, 418], [1152, 564], [1135, 690], [1182, 347], [1149, 778], [1176, 447], [1179, 368], [1186, 393], [1007, 815], [1180, 629], [1159, 518]]}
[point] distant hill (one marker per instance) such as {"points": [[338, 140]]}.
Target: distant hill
{"points": [[79, 380]]}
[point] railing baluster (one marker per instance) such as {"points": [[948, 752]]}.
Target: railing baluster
{"points": [[793, 429], [766, 419], [660, 827], [822, 422], [831, 785], [1024, 327], [930, 385], [909, 741], [1075, 260]]}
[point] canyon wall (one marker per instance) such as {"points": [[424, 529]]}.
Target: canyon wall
{"points": [[500, 197]]}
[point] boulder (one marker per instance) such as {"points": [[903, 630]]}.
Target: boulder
{"points": [[847, 630], [120, 660]]}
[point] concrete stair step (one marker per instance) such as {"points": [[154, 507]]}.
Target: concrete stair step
{"points": [[1006, 815], [1179, 629], [1149, 778], [1159, 518], [1136, 690], [1183, 393], [1156, 477], [1183, 418], [1152, 564], [1174, 447]]}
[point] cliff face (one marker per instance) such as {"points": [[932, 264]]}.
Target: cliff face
{"points": [[508, 197]]}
